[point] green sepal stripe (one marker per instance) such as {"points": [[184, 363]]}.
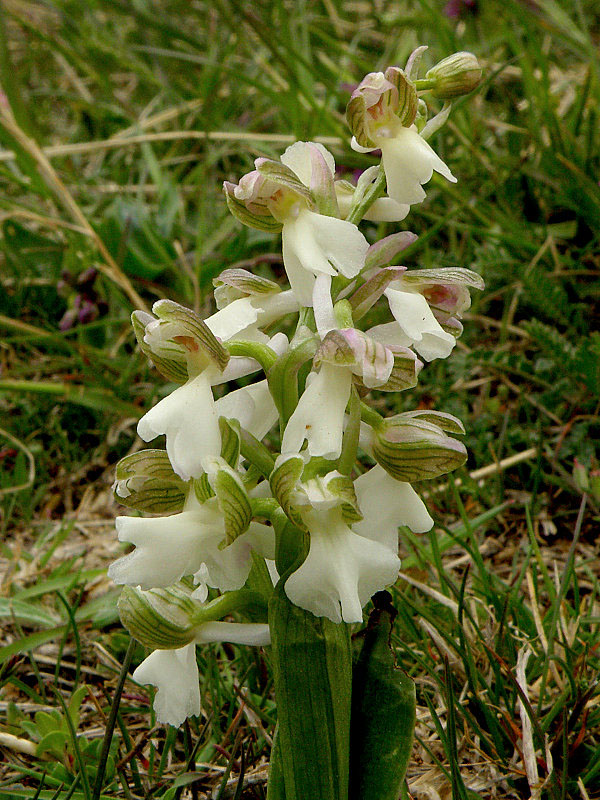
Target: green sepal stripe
{"points": [[407, 95], [343, 487], [145, 480], [283, 176], [313, 680], [230, 440], [369, 293], [150, 627], [429, 454], [154, 498], [443, 420], [405, 372], [454, 276], [233, 500], [356, 111], [261, 222], [173, 368], [283, 481], [195, 328], [246, 282], [383, 713], [203, 489]]}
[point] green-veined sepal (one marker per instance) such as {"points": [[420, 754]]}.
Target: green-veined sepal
{"points": [[412, 449], [145, 480]]}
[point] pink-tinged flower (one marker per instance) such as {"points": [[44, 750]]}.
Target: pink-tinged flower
{"points": [[381, 115], [297, 196], [426, 305]]}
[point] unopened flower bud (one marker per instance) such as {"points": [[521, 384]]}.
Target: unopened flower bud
{"points": [[455, 75], [410, 448], [159, 618], [145, 480]]}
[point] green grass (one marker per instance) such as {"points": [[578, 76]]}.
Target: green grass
{"points": [[513, 561]]}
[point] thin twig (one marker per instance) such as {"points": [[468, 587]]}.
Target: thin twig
{"points": [[57, 151]]}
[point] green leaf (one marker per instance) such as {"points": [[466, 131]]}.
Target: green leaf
{"points": [[26, 613], [313, 676], [55, 743], [383, 713]]}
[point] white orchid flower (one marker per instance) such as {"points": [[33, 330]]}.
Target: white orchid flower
{"points": [[381, 113], [185, 347], [426, 305], [345, 355], [343, 568], [167, 548], [299, 194], [174, 673]]}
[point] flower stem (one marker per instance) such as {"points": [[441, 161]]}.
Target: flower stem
{"points": [[364, 203]]}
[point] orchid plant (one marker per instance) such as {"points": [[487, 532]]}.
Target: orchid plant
{"points": [[293, 541]]}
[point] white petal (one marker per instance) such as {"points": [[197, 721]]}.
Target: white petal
{"points": [[385, 504], [409, 162], [250, 633], [232, 319], [175, 675], [279, 343], [167, 548], [252, 406], [188, 419], [386, 209], [297, 157], [240, 318], [323, 305], [342, 570], [342, 244], [358, 148], [412, 312], [316, 243], [319, 415], [391, 334], [301, 280], [227, 569]]}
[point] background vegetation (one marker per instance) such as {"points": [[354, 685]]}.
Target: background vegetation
{"points": [[129, 115]]}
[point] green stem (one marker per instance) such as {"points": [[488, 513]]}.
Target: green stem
{"points": [[262, 353], [256, 453], [226, 604], [361, 205], [371, 417], [424, 84], [351, 435]]}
